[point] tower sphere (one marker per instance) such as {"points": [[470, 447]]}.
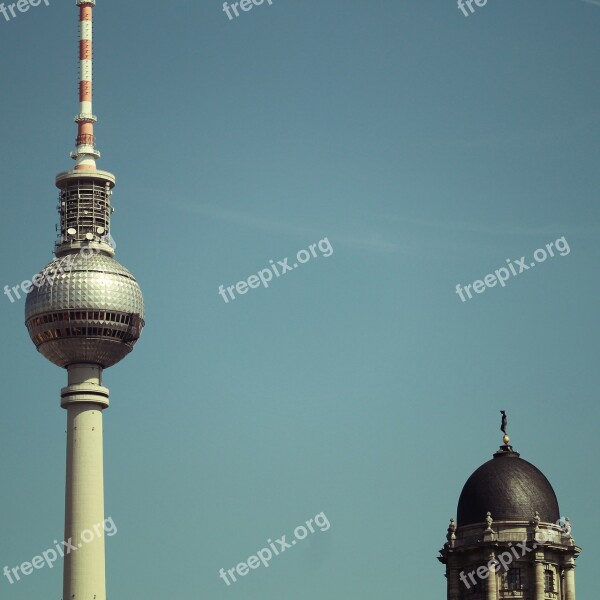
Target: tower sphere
{"points": [[87, 309]]}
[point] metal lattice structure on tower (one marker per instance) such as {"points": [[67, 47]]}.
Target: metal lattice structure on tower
{"points": [[85, 315]]}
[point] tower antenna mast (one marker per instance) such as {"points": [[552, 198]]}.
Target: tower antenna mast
{"points": [[86, 153]]}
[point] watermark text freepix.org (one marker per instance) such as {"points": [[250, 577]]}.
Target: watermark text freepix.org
{"points": [[22, 6], [469, 3], [495, 564], [264, 276], [245, 5], [279, 546], [50, 556], [502, 274], [516, 551], [50, 274]]}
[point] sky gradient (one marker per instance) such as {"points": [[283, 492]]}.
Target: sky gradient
{"points": [[428, 148]]}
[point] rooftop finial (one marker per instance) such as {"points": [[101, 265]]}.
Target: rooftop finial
{"points": [[506, 449], [503, 425]]}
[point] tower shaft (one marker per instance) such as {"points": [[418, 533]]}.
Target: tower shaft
{"points": [[84, 569]]}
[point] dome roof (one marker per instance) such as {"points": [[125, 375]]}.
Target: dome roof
{"points": [[510, 488]]}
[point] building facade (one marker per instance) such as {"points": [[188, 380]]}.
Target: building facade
{"points": [[508, 539]]}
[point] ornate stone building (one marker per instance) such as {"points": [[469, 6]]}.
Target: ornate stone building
{"points": [[509, 540]]}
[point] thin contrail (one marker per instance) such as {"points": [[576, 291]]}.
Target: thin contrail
{"points": [[592, 2]]}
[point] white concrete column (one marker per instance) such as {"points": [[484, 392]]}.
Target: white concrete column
{"points": [[569, 582], [492, 581], [538, 566], [84, 567]]}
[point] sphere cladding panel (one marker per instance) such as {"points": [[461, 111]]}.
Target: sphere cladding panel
{"points": [[83, 283], [97, 351], [75, 281]]}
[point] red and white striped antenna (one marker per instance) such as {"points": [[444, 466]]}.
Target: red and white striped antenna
{"points": [[86, 154], [85, 192]]}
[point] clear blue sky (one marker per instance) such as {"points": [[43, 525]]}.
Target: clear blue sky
{"points": [[428, 147]]}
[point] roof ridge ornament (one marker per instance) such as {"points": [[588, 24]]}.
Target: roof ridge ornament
{"points": [[451, 534], [506, 448]]}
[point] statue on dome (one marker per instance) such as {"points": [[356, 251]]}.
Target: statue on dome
{"points": [[503, 426]]}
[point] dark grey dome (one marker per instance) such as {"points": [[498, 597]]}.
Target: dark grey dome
{"points": [[510, 488]]}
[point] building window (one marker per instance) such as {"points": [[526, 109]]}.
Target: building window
{"points": [[473, 590], [513, 579], [549, 581]]}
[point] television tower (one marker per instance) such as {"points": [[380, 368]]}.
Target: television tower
{"points": [[84, 314]]}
